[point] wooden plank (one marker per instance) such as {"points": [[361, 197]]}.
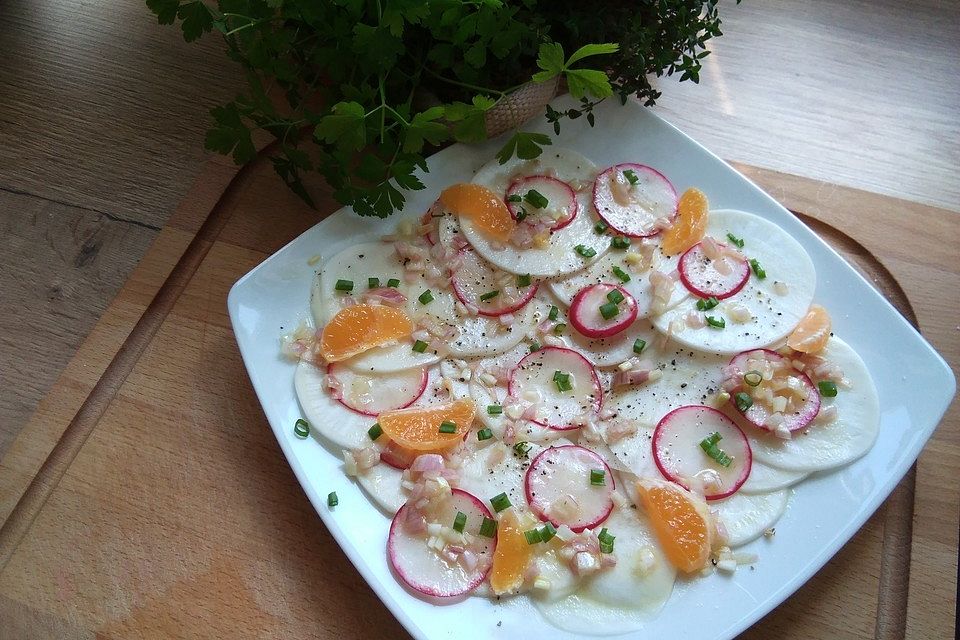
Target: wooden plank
{"points": [[191, 519]]}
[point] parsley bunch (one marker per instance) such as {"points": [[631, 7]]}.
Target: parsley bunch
{"points": [[366, 87]]}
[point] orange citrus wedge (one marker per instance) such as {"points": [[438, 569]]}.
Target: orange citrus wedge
{"points": [[483, 207], [691, 224], [361, 327], [679, 520], [813, 331], [512, 556], [418, 428]]}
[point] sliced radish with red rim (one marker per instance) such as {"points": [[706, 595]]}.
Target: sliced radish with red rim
{"points": [[633, 209], [546, 374], [570, 485], [789, 381], [424, 568], [589, 305], [680, 457], [371, 394], [702, 277], [561, 207], [476, 279]]}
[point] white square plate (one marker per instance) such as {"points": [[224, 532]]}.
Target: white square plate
{"points": [[914, 383]]}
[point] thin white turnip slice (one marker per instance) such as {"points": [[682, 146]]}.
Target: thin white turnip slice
{"points": [[570, 485], [713, 270], [445, 572], [788, 386], [607, 352], [602, 310], [491, 291], [565, 383], [369, 394], [631, 198], [681, 457], [561, 201], [766, 479], [743, 517]]}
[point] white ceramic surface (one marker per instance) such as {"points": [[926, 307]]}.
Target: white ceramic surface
{"points": [[826, 510]]}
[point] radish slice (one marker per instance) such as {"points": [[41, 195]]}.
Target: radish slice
{"points": [[425, 569], [561, 200], [536, 373], [559, 489], [798, 388], [585, 312], [371, 394], [476, 278], [702, 278], [680, 458], [633, 209]]}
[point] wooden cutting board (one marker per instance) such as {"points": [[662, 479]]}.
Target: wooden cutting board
{"points": [[147, 497]]}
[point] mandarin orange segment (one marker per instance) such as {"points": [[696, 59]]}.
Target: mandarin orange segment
{"points": [[691, 225], [679, 521], [813, 331], [512, 556], [483, 207], [361, 327], [418, 428]]}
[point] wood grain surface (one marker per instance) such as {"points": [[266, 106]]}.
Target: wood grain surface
{"points": [[102, 113], [154, 501]]}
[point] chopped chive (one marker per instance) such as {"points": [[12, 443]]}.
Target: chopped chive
{"points": [[547, 531], [460, 522], [522, 448], [535, 346], [301, 428], [620, 273], [716, 323], [709, 446], [615, 296], [757, 269], [494, 409], [373, 283], [426, 297], [500, 502], [332, 499], [488, 528], [375, 431], [419, 346], [562, 380], [735, 240], [344, 285], [742, 400], [712, 439], [484, 434], [490, 295], [554, 312], [532, 536], [514, 197], [620, 242], [609, 310], [585, 252], [753, 378], [536, 199], [523, 280], [521, 214], [639, 345], [598, 477], [601, 227], [560, 328], [705, 304], [828, 388], [448, 427], [606, 541], [393, 282], [631, 176]]}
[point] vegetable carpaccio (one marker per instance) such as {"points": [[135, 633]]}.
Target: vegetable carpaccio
{"points": [[575, 416]]}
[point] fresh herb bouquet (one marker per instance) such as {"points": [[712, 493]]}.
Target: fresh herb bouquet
{"points": [[368, 85]]}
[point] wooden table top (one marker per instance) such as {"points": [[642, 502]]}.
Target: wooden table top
{"points": [[148, 498]]}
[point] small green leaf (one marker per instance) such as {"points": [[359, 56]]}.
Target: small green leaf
{"points": [[345, 126], [525, 145], [423, 128], [550, 59], [592, 50], [583, 81]]}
